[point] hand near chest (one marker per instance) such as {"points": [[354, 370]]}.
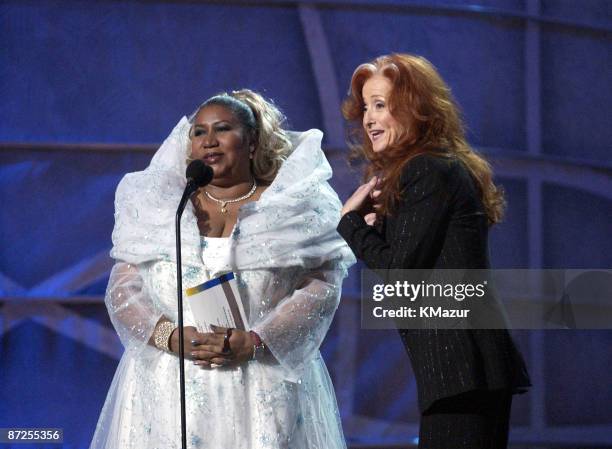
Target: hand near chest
{"points": [[364, 201]]}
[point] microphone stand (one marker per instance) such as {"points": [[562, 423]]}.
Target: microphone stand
{"points": [[189, 189]]}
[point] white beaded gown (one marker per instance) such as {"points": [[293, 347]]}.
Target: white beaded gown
{"points": [[289, 263]]}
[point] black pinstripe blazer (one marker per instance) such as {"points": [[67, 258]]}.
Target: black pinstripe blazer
{"points": [[440, 223]]}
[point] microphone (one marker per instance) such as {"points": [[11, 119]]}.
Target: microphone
{"points": [[198, 175]]}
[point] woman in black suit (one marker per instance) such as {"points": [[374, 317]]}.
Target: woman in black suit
{"points": [[428, 204]]}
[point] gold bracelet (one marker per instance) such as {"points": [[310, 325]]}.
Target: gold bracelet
{"points": [[161, 335]]}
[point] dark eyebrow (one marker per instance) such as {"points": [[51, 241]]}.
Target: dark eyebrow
{"points": [[200, 125]]}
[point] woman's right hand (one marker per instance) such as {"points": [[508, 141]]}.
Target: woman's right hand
{"points": [[360, 199], [207, 345], [371, 217]]}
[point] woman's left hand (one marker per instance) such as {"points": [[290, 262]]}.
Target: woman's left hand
{"points": [[240, 348]]}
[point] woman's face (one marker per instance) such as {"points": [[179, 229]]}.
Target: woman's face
{"points": [[219, 139], [379, 124]]}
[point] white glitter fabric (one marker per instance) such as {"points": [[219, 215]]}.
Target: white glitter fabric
{"points": [[289, 262]]}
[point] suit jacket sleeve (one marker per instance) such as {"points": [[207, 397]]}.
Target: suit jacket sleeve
{"points": [[420, 212]]}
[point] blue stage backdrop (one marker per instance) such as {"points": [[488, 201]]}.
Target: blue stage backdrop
{"points": [[89, 89]]}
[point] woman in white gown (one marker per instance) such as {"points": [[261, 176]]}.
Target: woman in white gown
{"points": [[269, 216]]}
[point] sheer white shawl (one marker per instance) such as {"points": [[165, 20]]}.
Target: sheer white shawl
{"points": [[286, 252]]}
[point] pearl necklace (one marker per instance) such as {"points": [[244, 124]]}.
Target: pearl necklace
{"points": [[224, 203]]}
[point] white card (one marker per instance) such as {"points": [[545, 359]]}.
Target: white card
{"points": [[218, 302]]}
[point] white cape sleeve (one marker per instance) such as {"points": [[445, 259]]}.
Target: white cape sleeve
{"points": [[296, 327], [132, 311]]}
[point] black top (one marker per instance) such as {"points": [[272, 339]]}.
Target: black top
{"points": [[440, 223]]}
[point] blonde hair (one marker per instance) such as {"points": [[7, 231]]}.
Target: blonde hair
{"points": [[262, 122], [430, 122]]}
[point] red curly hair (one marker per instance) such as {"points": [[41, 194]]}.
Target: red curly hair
{"points": [[429, 120]]}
